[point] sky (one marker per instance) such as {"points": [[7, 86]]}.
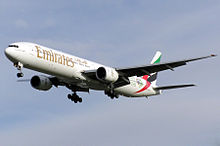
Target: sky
{"points": [[117, 33]]}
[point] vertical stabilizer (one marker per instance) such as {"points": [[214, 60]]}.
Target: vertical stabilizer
{"points": [[156, 59]]}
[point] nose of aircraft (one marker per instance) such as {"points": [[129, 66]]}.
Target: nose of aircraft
{"points": [[10, 53]]}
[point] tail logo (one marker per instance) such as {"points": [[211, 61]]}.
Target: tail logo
{"points": [[147, 85], [150, 80]]}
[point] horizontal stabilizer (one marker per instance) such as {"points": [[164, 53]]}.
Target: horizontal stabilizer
{"points": [[24, 80], [173, 87]]}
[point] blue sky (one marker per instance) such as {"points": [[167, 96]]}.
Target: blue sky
{"points": [[116, 33]]}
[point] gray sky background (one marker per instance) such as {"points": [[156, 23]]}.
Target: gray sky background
{"points": [[116, 33]]}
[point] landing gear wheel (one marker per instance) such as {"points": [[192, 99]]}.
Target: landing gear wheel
{"points": [[74, 97], [80, 100], [75, 100], [19, 75], [111, 94], [69, 96]]}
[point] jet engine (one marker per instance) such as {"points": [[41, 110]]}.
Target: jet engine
{"points": [[41, 83], [107, 74]]}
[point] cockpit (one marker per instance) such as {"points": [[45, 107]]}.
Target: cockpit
{"points": [[14, 46]]}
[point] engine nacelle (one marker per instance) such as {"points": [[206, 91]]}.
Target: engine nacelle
{"points": [[107, 74], [41, 83]]}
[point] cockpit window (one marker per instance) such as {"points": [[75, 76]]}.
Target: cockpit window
{"points": [[15, 46]]}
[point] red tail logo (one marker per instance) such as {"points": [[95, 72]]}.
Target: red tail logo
{"points": [[145, 77]]}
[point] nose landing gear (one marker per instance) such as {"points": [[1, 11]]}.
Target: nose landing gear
{"points": [[19, 75], [19, 66]]}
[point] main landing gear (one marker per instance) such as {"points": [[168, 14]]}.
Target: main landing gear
{"points": [[111, 94], [74, 97], [19, 66]]}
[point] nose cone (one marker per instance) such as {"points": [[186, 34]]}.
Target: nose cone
{"points": [[10, 53]]}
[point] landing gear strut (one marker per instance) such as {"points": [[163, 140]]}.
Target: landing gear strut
{"points": [[110, 92], [74, 97], [19, 66]]}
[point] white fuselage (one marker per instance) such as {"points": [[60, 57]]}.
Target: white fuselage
{"points": [[69, 68]]}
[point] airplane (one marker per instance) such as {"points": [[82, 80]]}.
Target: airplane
{"points": [[81, 75]]}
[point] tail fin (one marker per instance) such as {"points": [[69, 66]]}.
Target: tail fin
{"points": [[156, 59]]}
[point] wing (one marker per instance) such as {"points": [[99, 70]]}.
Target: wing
{"points": [[148, 69], [124, 73]]}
